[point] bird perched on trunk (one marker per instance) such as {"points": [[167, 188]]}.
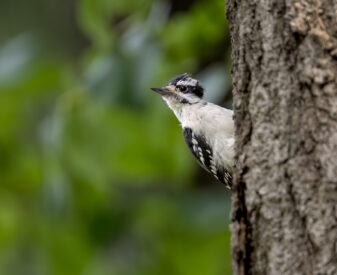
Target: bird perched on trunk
{"points": [[208, 128]]}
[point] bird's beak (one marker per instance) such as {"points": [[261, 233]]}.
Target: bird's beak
{"points": [[166, 91]]}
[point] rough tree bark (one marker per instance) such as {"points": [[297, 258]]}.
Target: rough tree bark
{"points": [[284, 217]]}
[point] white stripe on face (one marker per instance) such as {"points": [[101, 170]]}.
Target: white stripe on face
{"points": [[187, 82]]}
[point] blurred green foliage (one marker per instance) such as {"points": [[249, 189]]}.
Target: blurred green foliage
{"points": [[95, 175]]}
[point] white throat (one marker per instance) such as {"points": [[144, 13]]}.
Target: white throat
{"points": [[179, 108]]}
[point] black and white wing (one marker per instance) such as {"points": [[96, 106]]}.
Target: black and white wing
{"points": [[204, 154]]}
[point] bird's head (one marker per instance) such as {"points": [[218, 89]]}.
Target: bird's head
{"points": [[182, 90]]}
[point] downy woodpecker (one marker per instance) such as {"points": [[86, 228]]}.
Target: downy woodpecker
{"points": [[208, 128]]}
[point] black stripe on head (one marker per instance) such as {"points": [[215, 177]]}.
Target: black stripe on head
{"points": [[198, 91], [177, 78], [187, 85]]}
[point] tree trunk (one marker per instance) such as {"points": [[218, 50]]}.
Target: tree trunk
{"points": [[284, 210]]}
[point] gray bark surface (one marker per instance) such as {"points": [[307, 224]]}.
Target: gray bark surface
{"points": [[284, 210]]}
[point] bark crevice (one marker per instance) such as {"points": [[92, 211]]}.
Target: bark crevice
{"points": [[245, 251]]}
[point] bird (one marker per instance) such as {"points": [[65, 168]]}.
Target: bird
{"points": [[208, 129]]}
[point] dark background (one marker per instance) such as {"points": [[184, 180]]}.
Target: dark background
{"points": [[95, 174]]}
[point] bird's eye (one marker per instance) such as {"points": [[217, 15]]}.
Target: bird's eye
{"points": [[182, 88]]}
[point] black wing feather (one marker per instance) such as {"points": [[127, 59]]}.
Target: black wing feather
{"points": [[204, 154]]}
